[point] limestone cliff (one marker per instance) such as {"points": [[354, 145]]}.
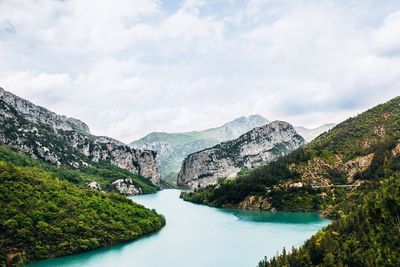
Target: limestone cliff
{"points": [[172, 148], [59, 140], [258, 146]]}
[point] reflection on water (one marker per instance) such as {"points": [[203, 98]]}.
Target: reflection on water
{"points": [[201, 236], [275, 217]]}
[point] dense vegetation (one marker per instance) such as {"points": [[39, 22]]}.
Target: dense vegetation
{"points": [[365, 233], [263, 181], [102, 172], [42, 216], [374, 131]]}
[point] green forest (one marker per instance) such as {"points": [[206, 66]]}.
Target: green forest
{"points": [[366, 232], [43, 215]]}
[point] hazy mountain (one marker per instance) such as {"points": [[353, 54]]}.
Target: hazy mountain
{"points": [[172, 148], [256, 147], [311, 134]]}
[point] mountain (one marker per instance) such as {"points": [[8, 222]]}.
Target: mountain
{"points": [[44, 214], [42, 134], [258, 146], [172, 148], [351, 173], [311, 134], [315, 177]]}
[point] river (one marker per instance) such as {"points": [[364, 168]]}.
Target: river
{"points": [[201, 236]]}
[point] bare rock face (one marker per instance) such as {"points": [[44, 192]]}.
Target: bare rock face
{"points": [[126, 187], [36, 113], [258, 146], [357, 165], [172, 148], [255, 203], [94, 186], [42, 134], [396, 150]]}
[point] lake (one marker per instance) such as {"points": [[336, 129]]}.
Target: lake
{"points": [[201, 236]]}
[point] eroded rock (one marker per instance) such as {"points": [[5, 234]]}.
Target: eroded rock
{"points": [[258, 146]]}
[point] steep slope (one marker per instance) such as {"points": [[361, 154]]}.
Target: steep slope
{"points": [[42, 216], [356, 151], [99, 176], [367, 233], [63, 141], [172, 148], [258, 146]]}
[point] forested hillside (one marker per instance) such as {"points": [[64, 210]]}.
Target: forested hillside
{"points": [[365, 233], [43, 215], [318, 176], [102, 172]]}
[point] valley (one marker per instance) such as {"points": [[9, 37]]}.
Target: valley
{"points": [[257, 179], [194, 133], [198, 236]]}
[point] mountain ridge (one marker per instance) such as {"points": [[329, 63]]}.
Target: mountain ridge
{"points": [[358, 150], [225, 160], [172, 148], [42, 134]]}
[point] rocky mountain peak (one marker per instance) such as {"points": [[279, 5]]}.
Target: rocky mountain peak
{"points": [[224, 161], [239, 126], [42, 134], [42, 115], [172, 148]]}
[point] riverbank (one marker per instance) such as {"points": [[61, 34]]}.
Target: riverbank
{"points": [[198, 236]]}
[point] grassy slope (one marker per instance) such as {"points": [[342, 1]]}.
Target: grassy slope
{"points": [[42, 216], [376, 130]]}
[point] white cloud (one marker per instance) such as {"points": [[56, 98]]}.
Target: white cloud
{"points": [[385, 40], [129, 67]]}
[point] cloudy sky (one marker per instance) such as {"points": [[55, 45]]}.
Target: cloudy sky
{"points": [[129, 67]]}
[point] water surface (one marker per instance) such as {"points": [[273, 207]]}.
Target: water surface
{"points": [[201, 236]]}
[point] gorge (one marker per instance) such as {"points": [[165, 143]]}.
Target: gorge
{"points": [[200, 236]]}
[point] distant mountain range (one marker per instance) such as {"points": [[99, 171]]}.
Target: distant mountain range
{"points": [[172, 148]]}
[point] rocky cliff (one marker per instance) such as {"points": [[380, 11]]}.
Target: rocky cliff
{"points": [[39, 114], [59, 140], [172, 148], [359, 151], [258, 146]]}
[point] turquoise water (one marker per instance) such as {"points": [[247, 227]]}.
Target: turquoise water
{"points": [[197, 235]]}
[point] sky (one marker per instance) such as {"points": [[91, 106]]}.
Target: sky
{"points": [[130, 67]]}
